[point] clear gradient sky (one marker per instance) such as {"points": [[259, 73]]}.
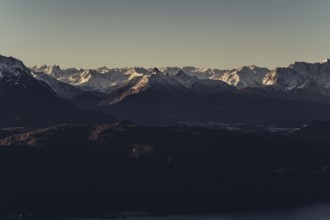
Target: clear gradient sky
{"points": [[203, 33]]}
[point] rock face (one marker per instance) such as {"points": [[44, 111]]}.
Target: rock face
{"points": [[26, 101]]}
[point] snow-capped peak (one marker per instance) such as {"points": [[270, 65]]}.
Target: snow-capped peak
{"points": [[243, 77], [300, 75], [14, 73], [10, 63], [133, 73], [103, 69], [12, 69], [154, 71], [325, 61], [54, 71]]}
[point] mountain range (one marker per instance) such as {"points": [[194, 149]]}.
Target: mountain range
{"points": [[296, 76], [291, 96], [296, 94]]}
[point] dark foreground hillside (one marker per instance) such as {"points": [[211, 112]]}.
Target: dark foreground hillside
{"points": [[73, 169]]}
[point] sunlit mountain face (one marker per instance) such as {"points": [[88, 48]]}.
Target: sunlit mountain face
{"points": [[165, 110]]}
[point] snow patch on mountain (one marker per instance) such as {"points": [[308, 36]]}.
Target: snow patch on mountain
{"points": [[300, 75], [11, 66], [14, 74], [158, 81], [101, 79], [54, 71], [61, 89], [243, 77], [325, 61]]}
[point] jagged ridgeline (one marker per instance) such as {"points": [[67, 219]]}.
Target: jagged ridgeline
{"points": [[25, 101], [291, 96]]}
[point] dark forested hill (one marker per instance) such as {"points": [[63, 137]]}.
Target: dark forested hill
{"points": [[109, 168]]}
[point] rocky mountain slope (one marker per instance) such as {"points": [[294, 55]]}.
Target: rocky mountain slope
{"points": [[301, 75], [26, 101]]}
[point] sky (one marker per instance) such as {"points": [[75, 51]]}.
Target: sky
{"points": [[221, 34]]}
